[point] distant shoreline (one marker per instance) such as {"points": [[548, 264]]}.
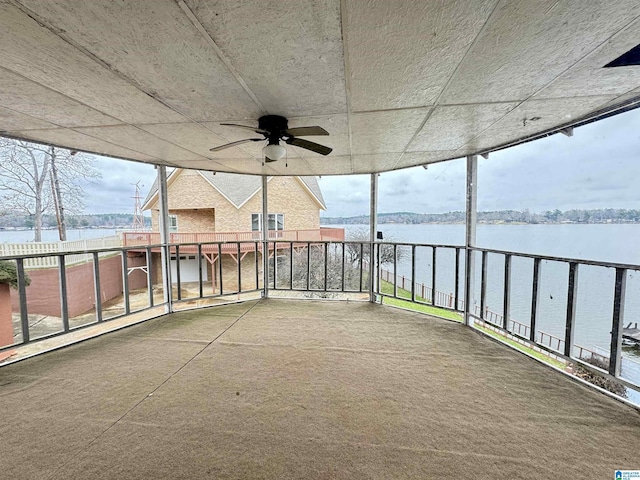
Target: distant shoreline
{"points": [[498, 217], [322, 224], [105, 227]]}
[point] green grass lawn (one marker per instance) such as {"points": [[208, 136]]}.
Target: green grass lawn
{"points": [[387, 288], [522, 348]]}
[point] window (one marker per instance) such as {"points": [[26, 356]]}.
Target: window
{"points": [[173, 223], [276, 221]]}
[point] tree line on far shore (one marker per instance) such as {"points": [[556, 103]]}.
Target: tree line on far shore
{"points": [[601, 215], [97, 220]]}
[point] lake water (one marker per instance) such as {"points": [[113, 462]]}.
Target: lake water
{"points": [[22, 236], [608, 243]]}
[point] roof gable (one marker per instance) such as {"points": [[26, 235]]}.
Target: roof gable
{"points": [[237, 189]]}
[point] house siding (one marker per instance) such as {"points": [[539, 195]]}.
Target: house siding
{"points": [[287, 196], [193, 221], [201, 208]]}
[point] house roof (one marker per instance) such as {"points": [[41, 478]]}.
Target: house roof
{"points": [[238, 189], [396, 84]]}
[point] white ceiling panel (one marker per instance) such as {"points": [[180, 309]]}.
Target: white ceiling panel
{"points": [[336, 165], [36, 53], [395, 83], [139, 140], [288, 52], [336, 125], [206, 164], [589, 77], [389, 131], [450, 127], [292, 166], [30, 98], [411, 159], [527, 44], [629, 96], [241, 165], [11, 120], [402, 54], [193, 137], [231, 134], [64, 137], [381, 162], [176, 65], [535, 116]]}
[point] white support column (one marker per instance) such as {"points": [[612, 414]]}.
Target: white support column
{"points": [[470, 235], [265, 238], [165, 252], [373, 230]]}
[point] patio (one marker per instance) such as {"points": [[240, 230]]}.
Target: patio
{"points": [[304, 389]]}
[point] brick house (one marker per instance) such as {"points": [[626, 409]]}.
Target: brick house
{"points": [[201, 201], [215, 207]]}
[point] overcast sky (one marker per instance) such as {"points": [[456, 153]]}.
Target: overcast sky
{"points": [[599, 167]]}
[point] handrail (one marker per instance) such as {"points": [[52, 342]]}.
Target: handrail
{"points": [[321, 265], [320, 234]]}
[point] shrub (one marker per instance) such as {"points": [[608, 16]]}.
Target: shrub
{"points": [[9, 274], [599, 380]]}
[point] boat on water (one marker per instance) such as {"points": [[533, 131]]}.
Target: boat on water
{"points": [[631, 335]]}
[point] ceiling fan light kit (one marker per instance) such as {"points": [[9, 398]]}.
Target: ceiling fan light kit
{"points": [[275, 128], [274, 152]]}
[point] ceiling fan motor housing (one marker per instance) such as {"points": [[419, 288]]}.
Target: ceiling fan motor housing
{"points": [[275, 125]]}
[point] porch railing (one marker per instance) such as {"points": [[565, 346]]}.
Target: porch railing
{"points": [[35, 248], [305, 235], [424, 274]]}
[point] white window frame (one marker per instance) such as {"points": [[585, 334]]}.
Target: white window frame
{"points": [[173, 223], [272, 216]]}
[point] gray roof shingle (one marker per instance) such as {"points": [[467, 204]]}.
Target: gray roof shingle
{"points": [[240, 188]]}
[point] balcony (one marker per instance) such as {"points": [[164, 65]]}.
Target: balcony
{"points": [[301, 387], [130, 239], [305, 389]]}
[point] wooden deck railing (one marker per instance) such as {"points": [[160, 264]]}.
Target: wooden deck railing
{"points": [[131, 239]]}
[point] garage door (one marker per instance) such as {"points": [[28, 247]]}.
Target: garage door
{"points": [[188, 269]]}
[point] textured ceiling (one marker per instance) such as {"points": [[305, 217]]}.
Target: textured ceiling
{"points": [[397, 83]]}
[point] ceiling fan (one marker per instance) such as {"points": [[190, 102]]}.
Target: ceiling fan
{"points": [[275, 128]]}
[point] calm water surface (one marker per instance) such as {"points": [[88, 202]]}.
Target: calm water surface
{"points": [[608, 243], [22, 236]]}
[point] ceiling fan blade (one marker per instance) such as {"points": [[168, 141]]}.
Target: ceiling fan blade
{"points": [[253, 129], [233, 144], [314, 147], [305, 131]]}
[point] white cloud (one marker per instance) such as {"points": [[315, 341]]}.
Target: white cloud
{"points": [[115, 191]]}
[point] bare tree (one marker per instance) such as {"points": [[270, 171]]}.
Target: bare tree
{"points": [[359, 246], [24, 169], [28, 170], [309, 270]]}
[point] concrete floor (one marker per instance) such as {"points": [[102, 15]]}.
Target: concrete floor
{"points": [[304, 389]]}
